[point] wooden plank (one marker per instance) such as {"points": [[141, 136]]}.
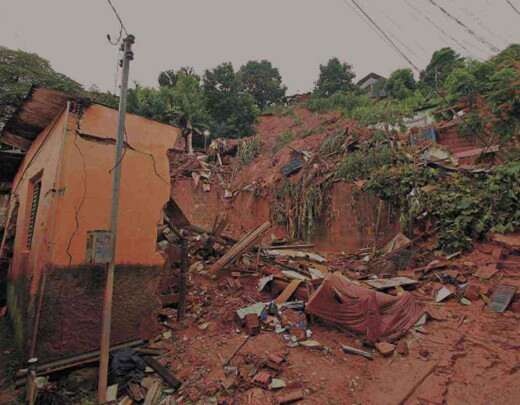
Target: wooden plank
{"points": [[154, 394], [288, 292], [165, 374], [91, 357], [240, 247], [385, 283]]}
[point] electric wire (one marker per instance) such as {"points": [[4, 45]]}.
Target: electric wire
{"points": [[438, 27], [384, 34], [517, 11], [122, 25], [461, 24]]}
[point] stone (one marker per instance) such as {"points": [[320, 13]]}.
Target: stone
{"points": [[385, 348], [277, 384]]}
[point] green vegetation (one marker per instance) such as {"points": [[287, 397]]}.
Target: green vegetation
{"points": [[299, 206], [283, 140], [263, 82], [462, 207], [361, 163], [401, 84], [249, 149], [335, 77]]}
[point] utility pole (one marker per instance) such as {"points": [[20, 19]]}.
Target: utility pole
{"points": [[128, 55]]}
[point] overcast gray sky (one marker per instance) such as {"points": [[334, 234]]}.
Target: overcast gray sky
{"points": [[295, 35]]}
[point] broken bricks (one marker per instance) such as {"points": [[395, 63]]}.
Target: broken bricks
{"points": [[252, 324]]}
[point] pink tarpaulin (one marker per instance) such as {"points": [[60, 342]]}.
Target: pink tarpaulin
{"points": [[361, 310]]}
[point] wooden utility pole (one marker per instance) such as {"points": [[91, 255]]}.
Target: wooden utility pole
{"points": [[116, 186]]}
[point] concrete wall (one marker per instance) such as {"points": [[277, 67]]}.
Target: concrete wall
{"points": [[75, 162]]}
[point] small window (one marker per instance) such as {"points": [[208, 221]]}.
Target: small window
{"points": [[36, 187]]}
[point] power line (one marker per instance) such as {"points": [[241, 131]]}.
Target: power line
{"points": [[438, 27], [517, 11], [384, 34], [123, 28], [356, 11], [468, 29]]}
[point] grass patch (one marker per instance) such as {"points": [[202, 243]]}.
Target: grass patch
{"points": [[283, 140], [249, 149]]}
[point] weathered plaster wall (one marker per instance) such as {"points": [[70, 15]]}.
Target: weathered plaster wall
{"points": [[87, 179], [76, 198], [42, 160]]}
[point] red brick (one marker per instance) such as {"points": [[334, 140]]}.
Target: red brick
{"points": [[252, 324], [402, 348], [263, 378], [472, 292]]}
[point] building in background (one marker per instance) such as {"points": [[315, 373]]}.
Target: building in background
{"points": [[373, 84]]}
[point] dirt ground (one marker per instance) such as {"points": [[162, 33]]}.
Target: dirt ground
{"points": [[466, 355]]}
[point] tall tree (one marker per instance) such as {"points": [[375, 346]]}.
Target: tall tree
{"points": [[233, 112], [400, 84], [168, 78], [335, 76], [263, 82], [442, 63], [189, 107], [20, 70]]}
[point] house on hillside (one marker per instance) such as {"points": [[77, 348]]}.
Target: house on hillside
{"points": [[58, 219], [373, 84]]}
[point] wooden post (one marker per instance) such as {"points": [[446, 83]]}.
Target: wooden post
{"points": [[181, 305], [32, 390]]}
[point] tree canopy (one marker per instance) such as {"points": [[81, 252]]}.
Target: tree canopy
{"points": [[442, 63], [233, 111], [400, 84], [334, 77], [263, 82], [19, 71]]}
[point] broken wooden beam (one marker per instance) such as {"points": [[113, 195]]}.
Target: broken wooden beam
{"points": [[288, 292], [86, 358], [240, 247], [165, 374]]}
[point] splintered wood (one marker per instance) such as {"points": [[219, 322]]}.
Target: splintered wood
{"points": [[240, 247]]}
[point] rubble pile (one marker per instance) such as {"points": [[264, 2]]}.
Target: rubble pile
{"points": [[261, 315]]}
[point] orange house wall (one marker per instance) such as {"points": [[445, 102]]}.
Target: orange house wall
{"points": [[87, 179], [43, 158], [76, 198]]}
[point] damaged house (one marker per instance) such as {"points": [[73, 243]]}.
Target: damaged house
{"points": [[58, 217]]}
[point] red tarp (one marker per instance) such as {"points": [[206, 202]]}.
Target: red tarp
{"points": [[361, 310]]}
